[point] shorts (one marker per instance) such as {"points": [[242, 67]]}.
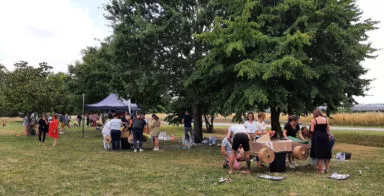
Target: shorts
{"points": [[155, 133], [243, 139]]}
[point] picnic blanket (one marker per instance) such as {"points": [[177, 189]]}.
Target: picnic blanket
{"points": [[298, 140]]}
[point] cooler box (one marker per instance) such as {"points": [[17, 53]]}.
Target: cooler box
{"points": [[343, 156], [278, 165]]}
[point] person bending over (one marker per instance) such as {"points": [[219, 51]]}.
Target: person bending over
{"points": [[290, 129], [240, 137]]}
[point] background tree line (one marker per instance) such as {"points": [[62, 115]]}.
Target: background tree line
{"points": [[218, 57]]}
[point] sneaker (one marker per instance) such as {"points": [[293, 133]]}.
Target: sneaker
{"points": [[156, 149], [141, 150], [225, 164], [291, 166], [135, 150]]}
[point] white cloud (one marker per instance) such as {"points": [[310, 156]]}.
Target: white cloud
{"points": [[54, 31], [372, 9]]}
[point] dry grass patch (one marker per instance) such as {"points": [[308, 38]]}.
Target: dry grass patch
{"points": [[11, 119], [368, 119]]}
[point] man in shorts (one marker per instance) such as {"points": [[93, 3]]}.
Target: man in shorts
{"points": [[240, 137]]}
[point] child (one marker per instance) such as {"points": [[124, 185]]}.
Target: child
{"points": [[226, 150]]}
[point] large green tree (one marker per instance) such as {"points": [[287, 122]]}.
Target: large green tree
{"points": [[3, 73], [92, 76], [29, 89], [289, 56], [155, 51]]}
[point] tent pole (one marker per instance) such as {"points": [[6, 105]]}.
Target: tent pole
{"points": [[129, 105]]}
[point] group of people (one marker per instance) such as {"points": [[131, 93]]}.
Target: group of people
{"points": [[48, 126], [35, 121], [93, 119], [238, 138], [126, 132]]}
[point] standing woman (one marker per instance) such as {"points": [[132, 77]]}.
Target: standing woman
{"points": [[53, 131], [154, 126], [43, 128], [251, 126], [320, 148], [115, 125]]}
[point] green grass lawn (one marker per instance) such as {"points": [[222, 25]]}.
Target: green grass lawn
{"points": [[80, 166]]}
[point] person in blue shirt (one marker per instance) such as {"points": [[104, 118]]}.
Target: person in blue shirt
{"points": [[187, 121]]}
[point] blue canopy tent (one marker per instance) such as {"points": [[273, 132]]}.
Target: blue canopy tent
{"points": [[112, 103]]}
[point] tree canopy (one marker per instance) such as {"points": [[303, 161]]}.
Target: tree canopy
{"points": [[29, 89], [288, 56], [210, 57]]}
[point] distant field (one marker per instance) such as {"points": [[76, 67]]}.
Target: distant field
{"points": [[11, 119], [368, 119]]}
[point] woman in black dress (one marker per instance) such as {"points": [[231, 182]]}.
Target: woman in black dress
{"points": [[320, 143], [43, 128]]}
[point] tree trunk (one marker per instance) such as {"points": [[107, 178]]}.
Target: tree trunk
{"points": [[212, 119], [197, 123], [209, 123], [275, 121]]}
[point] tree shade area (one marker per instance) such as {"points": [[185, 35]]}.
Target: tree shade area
{"points": [[210, 57]]}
